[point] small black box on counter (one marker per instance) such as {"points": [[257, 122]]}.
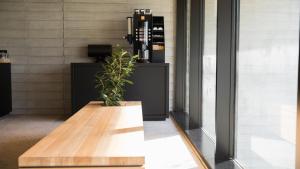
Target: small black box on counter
{"points": [[100, 52]]}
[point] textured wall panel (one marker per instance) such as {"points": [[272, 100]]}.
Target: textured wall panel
{"points": [[44, 36]]}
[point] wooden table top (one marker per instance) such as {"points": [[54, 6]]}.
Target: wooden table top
{"points": [[94, 136]]}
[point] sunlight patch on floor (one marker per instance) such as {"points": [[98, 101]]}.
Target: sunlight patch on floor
{"points": [[167, 149]]}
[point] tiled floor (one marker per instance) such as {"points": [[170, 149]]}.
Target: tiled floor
{"points": [[165, 148]]}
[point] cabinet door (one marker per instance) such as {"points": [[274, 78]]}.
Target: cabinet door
{"points": [[5, 89], [83, 85], [150, 87]]}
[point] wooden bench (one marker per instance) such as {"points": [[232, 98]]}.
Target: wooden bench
{"points": [[96, 137]]}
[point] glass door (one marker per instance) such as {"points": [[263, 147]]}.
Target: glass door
{"points": [[209, 68], [267, 75]]}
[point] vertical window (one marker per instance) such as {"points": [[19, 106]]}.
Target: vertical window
{"points": [[267, 66], [209, 68], [188, 23]]}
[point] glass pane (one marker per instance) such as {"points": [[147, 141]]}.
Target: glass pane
{"points": [[209, 67], [267, 67], [188, 27]]}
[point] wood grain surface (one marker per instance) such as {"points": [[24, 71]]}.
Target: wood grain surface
{"points": [[96, 136], [138, 167]]}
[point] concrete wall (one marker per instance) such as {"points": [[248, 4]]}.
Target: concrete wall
{"points": [[44, 36]]}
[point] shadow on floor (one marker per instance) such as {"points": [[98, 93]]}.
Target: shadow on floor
{"points": [[10, 151], [19, 132]]}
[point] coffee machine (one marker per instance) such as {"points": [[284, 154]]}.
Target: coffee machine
{"points": [[141, 35]]}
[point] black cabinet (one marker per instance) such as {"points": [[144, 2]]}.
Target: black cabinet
{"points": [[5, 89], [151, 86]]}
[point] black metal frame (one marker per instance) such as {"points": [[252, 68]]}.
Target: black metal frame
{"points": [[225, 84], [181, 59], [226, 79], [196, 57]]}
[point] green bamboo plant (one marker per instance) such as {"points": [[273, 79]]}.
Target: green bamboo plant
{"points": [[116, 71]]}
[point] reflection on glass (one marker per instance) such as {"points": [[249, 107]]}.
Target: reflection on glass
{"points": [[209, 68], [188, 22], [267, 66]]}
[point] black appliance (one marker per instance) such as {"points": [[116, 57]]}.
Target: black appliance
{"points": [[99, 52], [146, 34]]}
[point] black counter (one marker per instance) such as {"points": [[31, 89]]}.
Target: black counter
{"points": [[151, 86], [5, 89]]}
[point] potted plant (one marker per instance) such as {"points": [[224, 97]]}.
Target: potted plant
{"points": [[111, 81]]}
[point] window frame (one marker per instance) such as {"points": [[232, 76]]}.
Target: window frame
{"points": [[227, 37], [196, 61], [227, 49]]}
